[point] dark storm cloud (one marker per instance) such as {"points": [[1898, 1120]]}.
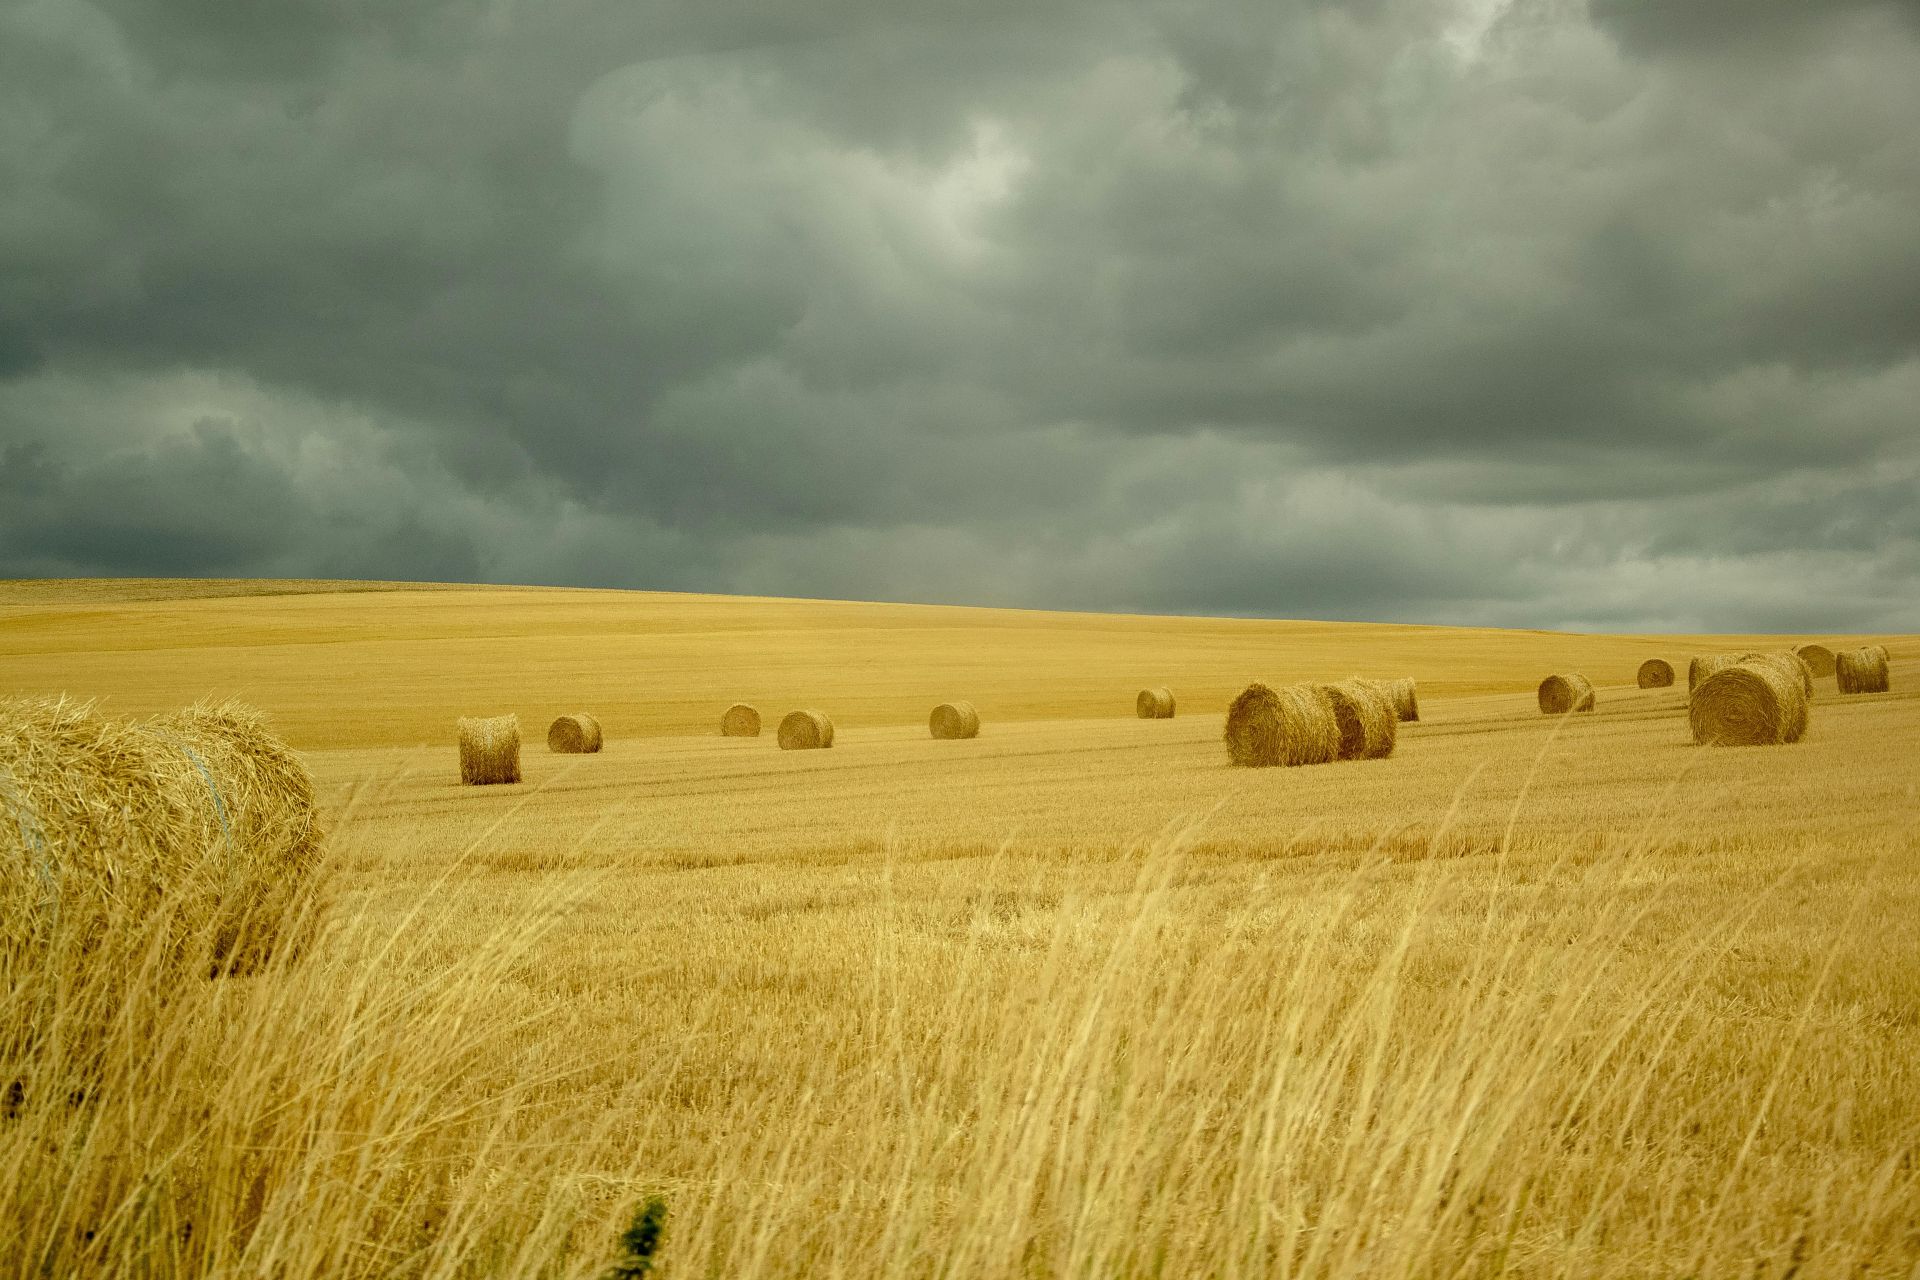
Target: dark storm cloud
{"points": [[1386, 309]]}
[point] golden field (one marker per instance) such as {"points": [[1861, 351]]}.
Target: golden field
{"points": [[1075, 998]]}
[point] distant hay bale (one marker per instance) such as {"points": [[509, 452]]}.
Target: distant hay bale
{"points": [[955, 720], [1704, 665], [1406, 698], [740, 721], [577, 734], [1818, 657], [198, 822], [1563, 693], [806, 731], [1365, 717], [1655, 673], [489, 750], [1154, 704], [1292, 725], [1862, 670], [1756, 703]]}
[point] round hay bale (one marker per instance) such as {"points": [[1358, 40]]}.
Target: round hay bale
{"points": [[1292, 725], [1862, 670], [1704, 665], [1790, 664], [954, 720], [740, 721], [1655, 673], [489, 750], [1405, 698], [1818, 657], [806, 731], [1366, 719], [1562, 694], [200, 823], [1154, 704], [577, 734], [1748, 704]]}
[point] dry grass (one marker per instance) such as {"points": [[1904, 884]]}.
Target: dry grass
{"points": [[1519, 999]]}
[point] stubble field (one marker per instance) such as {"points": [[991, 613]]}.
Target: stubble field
{"points": [[1075, 998]]}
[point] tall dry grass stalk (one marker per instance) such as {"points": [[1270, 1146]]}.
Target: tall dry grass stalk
{"points": [[1366, 1070]]}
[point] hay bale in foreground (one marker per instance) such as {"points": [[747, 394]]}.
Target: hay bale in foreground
{"points": [[1818, 657], [1562, 694], [489, 750], [806, 731], [1655, 673], [1292, 725], [954, 720], [577, 734], [1365, 717], [1405, 698], [199, 822], [1704, 665], [1748, 704], [1790, 664], [1862, 670], [1154, 704], [740, 721]]}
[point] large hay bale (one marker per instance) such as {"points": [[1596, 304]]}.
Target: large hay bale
{"points": [[1365, 717], [1704, 665], [1791, 665], [489, 750], [1755, 703], [577, 734], [806, 731], [1655, 673], [1862, 670], [1154, 704], [1818, 657], [1406, 698], [199, 822], [1564, 693], [954, 720], [740, 721], [1292, 725]]}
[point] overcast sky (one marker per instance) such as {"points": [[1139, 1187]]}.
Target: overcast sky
{"points": [[1546, 313]]}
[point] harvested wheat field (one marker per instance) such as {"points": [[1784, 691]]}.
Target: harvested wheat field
{"points": [[1567, 996]]}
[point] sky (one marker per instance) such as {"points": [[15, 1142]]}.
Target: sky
{"points": [[1546, 313]]}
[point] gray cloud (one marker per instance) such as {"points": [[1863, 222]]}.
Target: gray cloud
{"points": [[1511, 312]]}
